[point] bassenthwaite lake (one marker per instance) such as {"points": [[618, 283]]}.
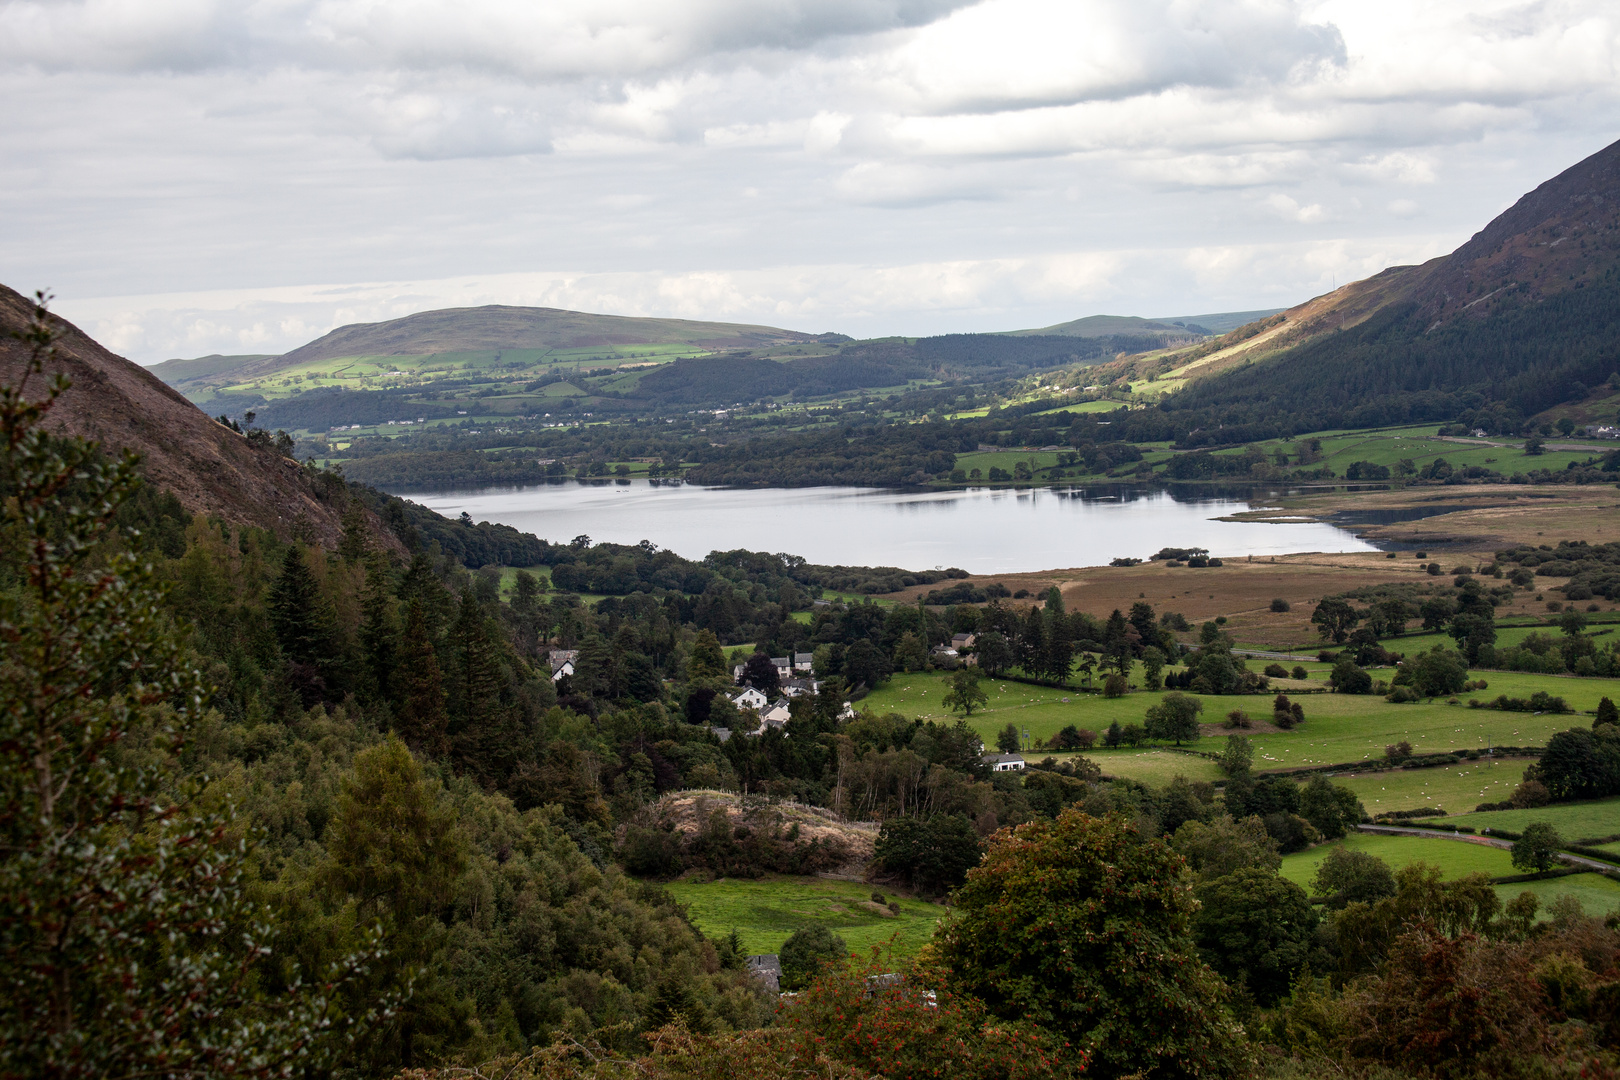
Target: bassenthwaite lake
{"points": [[981, 530]]}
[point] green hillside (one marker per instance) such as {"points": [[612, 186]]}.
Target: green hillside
{"points": [[213, 366]]}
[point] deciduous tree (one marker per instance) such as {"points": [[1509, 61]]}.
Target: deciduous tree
{"points": [[1082, 926]]}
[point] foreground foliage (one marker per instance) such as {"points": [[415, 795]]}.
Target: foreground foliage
{"points": [[130, 943], [1084, 927]]}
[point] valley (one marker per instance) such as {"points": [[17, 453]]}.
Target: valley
{"points": [[707, 655]]}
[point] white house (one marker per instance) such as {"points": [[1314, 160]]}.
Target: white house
{"points": [[803, 661], [778, 714], [562, 662], [749, 698], [1004, 762]]}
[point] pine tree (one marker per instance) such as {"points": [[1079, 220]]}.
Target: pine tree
{"points": [[477, 736], [1116, 643], [1606, 713], [420, 715], [1032, 641], [527, 610], [298, 613], [352, 545], [706, 661], [379, 632]]}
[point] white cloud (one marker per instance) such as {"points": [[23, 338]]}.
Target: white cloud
{"points": [[964, 294], [1288, 208], [696, 148]]}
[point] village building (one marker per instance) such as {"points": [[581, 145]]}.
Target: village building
{"points": [[562, 663]]}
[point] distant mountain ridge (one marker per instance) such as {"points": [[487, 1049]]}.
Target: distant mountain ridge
{"points": [[502, 326], [1110, 326]]}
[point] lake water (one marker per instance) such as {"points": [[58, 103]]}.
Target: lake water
{"points": [[982, 530]]}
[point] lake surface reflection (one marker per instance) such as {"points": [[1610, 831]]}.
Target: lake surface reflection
{"points": [[982, 530]]}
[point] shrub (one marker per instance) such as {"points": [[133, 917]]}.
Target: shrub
{"points": [[1237, 718], [1347, 678], [1299, 672], [806, 951], [1276, 671], [1529, 795], [1279, 604], [1115, 686]]}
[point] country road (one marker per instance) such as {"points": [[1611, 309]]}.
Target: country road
{"points": [[1488, 841]]}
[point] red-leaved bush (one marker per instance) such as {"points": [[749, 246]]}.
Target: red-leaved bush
{"points": [[895, 1025]]}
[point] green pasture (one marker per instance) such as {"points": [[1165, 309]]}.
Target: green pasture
{"points": [[1338, 728], [1597, 894], [1421, 446], [1455, 789], [765, 911], [1101, 405], [1574, 821], [497, 366], [985, 460], [1151, 766], [509, 577], [1454, 857]]}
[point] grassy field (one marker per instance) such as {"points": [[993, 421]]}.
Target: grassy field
{"points": [[765, 911], [1421, 445], [1598, 895], [1574, 821], [1455, 789], [1150, 766], [1338, 728], [1454, 858]]}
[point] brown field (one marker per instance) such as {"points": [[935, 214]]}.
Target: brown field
{"points": [[1497, 516], [1243, 589]]}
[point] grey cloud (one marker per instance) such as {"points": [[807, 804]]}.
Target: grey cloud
{"points": [[552, 40]]}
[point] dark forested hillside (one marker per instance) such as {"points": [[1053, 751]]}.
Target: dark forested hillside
{"points": [[1389, 369], [728, 380], [1523, 316]]}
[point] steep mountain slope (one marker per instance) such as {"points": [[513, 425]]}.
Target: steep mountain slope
{"points": [[1524, 315], [210, 468]]}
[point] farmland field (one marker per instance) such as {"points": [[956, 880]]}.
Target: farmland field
{"points": [[766, 910], [1454, 857], [1598, 894], [1574, 821], [1338, 727], [1455, 789]]}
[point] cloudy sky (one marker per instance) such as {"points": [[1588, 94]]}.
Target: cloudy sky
{"points": [[196, 176]]}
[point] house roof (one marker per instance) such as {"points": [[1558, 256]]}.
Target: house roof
{"points": [[1002, 759]]}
